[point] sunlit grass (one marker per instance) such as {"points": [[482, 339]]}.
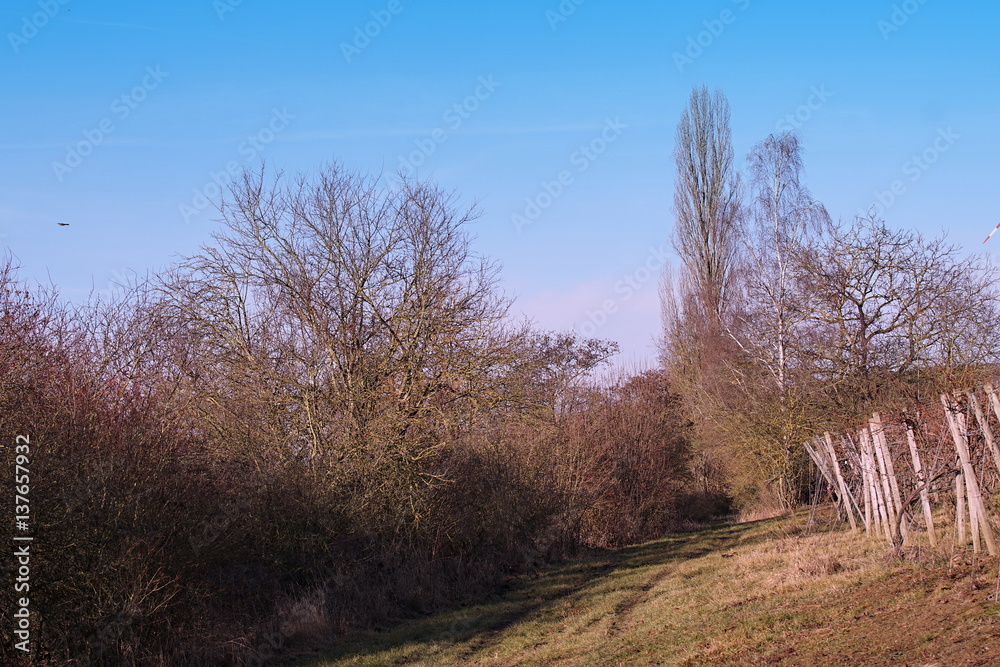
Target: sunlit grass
{"points": [[677, 600], [725, 595]]}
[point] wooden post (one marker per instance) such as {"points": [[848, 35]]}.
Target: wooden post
{"points": [[960, 509], [878, 435], [883, 476], [977, 511], [994, 401], [925, 498], [984, 425], [845, 495], [818, 461], [858, 461], [882, 517], [866, 485], [821, 464], [973, 506]]}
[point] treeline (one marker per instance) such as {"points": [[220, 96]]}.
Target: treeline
{"points": [[780, 322], [323, 421]]}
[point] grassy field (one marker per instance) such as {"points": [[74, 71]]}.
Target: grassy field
{"points": [[771, 592]]}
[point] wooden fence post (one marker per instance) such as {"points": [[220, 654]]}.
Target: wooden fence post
{"points": [[866, 486], [991, 394], [853, 454], [960, 508], [820, 463], [878, 437], [984, 426], [861, 463], [974, 507], [977, 511], [817, 459], [882, 518], [925, 499], [845, 495], [883, 476]]}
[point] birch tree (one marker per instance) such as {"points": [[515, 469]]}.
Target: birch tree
{"points": [[781, 219]]}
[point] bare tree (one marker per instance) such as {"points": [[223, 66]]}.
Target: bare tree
{"points": [[781, 219], [355, 313], [880, 304], [558, 362], [696, 298], [764, 421], [706, 199]]}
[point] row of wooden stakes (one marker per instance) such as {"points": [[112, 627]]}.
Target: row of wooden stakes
{"points": [[867, 488]]}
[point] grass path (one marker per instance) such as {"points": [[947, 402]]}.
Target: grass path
{"points": [[766, 592]]}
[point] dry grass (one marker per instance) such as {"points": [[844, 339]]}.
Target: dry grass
{"points": [[764, 592], [306, 618]]}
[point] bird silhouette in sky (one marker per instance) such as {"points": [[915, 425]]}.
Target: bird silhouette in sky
{"points": [[63, 224]]}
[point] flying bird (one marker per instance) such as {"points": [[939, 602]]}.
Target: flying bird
{"points": [[63, 224], [992, 233]]}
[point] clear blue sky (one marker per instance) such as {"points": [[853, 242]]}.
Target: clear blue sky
{"points": [[159, 96]]}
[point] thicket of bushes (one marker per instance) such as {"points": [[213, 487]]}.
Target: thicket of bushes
{"points": [[323, 422]]}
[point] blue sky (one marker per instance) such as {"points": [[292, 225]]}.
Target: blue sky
{"points": [[557, 118]]}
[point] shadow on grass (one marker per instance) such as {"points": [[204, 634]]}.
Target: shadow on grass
{"points": [[530, 595]]}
